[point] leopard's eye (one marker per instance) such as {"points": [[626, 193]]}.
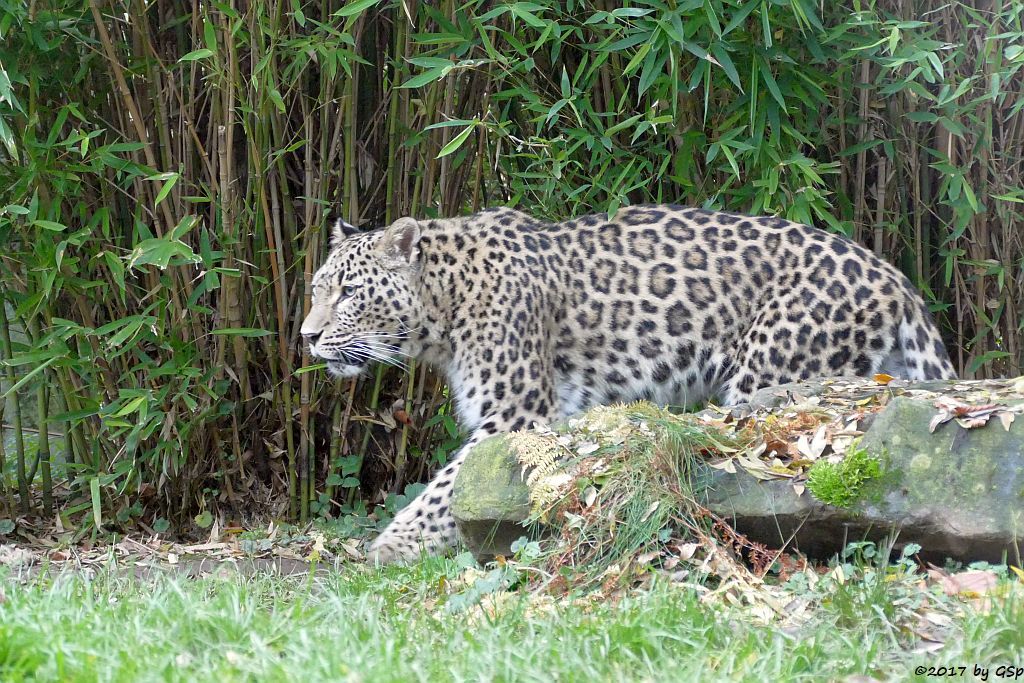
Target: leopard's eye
{"points": [[348, 290]]}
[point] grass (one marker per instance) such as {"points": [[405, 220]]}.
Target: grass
{"points": [[399, 624]]}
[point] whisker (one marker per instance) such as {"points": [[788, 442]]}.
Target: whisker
{"points": [[364, 353], [386, 348]]}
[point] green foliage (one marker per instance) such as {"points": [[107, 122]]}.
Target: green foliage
{"points": [[840, 483], [164, 178]]}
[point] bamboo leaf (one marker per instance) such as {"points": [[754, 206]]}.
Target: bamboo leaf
{"points": [[94, 496], [456, 142], [28, 377], [428, 76], [725, 61], [243, 332], [49, 225], [709, 11], [195, 55], [209, 36], [740, 16], [170, 181], [769, 81], [355, 7], [33, 357], [130, 407]]}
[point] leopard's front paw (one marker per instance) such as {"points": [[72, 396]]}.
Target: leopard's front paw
{"points": [[388, 549]]}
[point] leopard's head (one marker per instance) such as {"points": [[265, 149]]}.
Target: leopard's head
{"points": [[365, 305]]}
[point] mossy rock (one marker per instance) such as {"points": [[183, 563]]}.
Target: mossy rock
{"points": [[490, 499], [959, 493]]}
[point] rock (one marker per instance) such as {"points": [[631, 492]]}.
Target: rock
{"points": [[957, 492], [490, 499]]}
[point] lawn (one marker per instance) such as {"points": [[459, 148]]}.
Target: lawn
{"points": [[443, 620]]}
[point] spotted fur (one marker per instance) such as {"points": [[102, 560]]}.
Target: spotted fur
{"points": [[532, 321]]}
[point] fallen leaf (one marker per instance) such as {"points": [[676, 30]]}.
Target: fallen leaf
{"points": [[819, 443], [648, 557], [973, 583], [14, 556], [726, 465], [650, 511], [937, 618], [686, 550], [883, 378]]}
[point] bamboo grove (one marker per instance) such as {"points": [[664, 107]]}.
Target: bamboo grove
{"points": [[167, 168]]}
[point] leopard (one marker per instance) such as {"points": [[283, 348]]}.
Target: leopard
{"points": [[532, 321]]}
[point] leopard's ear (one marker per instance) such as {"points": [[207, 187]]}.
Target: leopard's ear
{"points": [[340, 230], [399, 242]]}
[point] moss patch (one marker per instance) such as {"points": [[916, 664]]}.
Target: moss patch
{"points": [[840, 483]]}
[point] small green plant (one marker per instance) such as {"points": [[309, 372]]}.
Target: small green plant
{"points": [[840, 483]]}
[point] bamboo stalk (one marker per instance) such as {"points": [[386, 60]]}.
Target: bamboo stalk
{"points": [[7, 353], [859, 202], [6, 501], [43, 458], [880, 183]]}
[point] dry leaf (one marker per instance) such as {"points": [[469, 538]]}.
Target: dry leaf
{"points": [[650, 511], [14, 556], [883, 378], [648, 557], [818, 443], [973, 583], [686, 550], [726, 465]]}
